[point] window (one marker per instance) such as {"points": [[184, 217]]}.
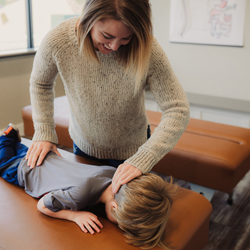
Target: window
{"points": [[24, 23], [49, 13], [13, 31]]}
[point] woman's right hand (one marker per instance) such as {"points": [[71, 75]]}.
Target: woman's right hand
{"points": [[38, 151]]}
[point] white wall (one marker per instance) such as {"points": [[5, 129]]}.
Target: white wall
{"points": [[218, 71], [14, 88]]}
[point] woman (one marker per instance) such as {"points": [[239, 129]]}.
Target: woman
{"points": [[106, 59]]}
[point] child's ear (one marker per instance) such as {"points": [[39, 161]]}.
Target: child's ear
{"points": [[113, 204]]}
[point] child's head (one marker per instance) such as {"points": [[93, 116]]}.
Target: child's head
{"points": [[143, 208]]}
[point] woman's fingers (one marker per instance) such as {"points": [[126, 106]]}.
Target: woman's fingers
{"points": [[54, 149], [57, 152], [33, 157], [129, 177], [117, 172], [38, 151], [41, 157], [32, 153], [116, 179], [29, 151], [125, 173]]}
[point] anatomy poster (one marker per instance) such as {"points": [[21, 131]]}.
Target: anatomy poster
{"points": [[219, 22]]}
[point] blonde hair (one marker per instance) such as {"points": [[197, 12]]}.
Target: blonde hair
{"points": [[144, 206], [136, 15]]}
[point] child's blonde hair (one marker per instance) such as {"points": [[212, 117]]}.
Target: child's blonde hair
{"points": [[144, 206], [136, 15]]}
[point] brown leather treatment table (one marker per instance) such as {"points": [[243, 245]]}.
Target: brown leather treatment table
{"points": [[211, 155], [23, 227]]}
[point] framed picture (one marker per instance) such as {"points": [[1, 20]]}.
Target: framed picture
{"points": [[218, 22]]}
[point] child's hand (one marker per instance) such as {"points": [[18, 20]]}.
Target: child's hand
{"points": [[88, 222]]}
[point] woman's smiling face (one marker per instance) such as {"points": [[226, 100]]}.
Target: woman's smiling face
{"points": [[109, 34]]}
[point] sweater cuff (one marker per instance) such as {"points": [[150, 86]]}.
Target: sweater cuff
{"points": [[143, 160], [45, 133]]}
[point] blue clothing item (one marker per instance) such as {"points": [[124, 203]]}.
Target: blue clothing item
{"points": [[11, 153], [111, 162]]}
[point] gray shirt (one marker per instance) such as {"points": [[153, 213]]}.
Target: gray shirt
{"points": [[65, 184]]}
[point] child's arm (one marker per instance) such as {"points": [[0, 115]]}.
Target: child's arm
{"points": [[87, 221]]}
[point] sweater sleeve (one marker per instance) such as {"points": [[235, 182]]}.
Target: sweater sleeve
{"points": [[174, 105], [42, 80]]}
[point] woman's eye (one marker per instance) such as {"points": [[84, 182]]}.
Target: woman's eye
{"points": [[127, 38], [106, 37]]}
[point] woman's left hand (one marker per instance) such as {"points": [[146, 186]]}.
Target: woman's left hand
{"points": [[124, 173]]}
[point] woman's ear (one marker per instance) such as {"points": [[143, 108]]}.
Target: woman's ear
{"points": [[113, 204]]}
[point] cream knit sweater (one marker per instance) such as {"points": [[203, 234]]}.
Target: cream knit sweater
{"points": [[107, 120]]}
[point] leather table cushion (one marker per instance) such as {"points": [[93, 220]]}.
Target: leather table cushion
{"points": [[23, 227], [209, 154]]}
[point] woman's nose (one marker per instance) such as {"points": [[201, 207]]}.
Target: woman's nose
{"points": [[114, 45]]}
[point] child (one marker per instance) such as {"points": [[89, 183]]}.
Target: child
{"points": [[141, 207]]}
